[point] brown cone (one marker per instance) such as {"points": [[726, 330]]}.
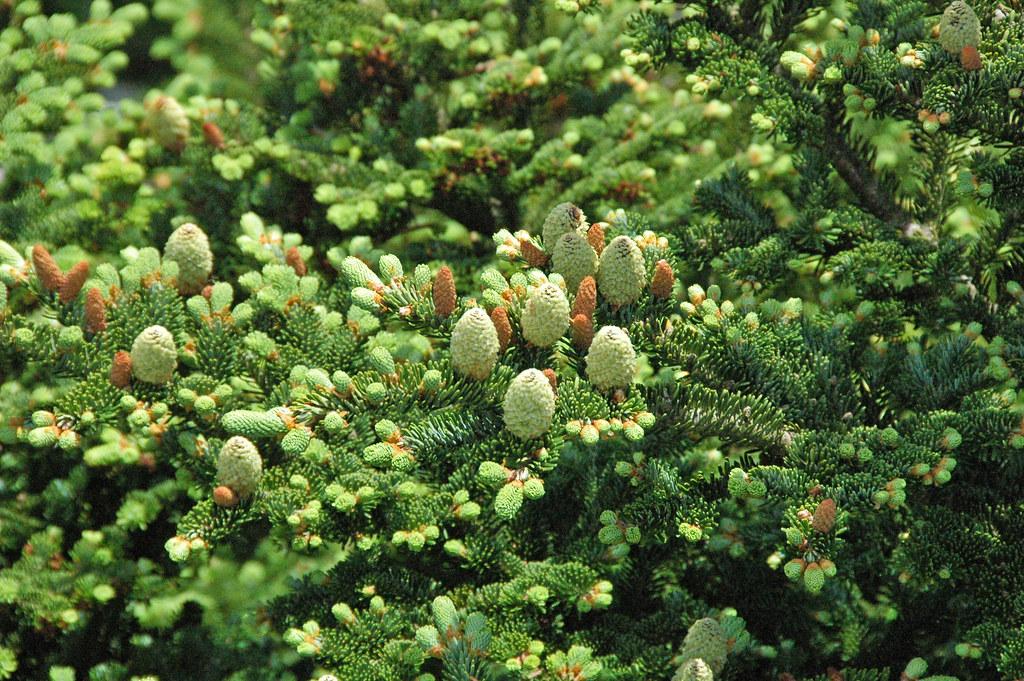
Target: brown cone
{"points": [[582, 332], [224, 496], [73, 281], [534, 256], [552, 378], [970, 58], [586, 298], [661, 283], [49, 274], [824, 516], [121, 369], [499, 316], [444, 292], [95, 311], [295, 261], [595, 237], [212, 134]]}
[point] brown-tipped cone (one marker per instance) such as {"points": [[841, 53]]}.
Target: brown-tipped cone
{"points": [[212, 134], [444, 292], [224, 496], [49, 274], [95, 311], [499, 317], [824, 516], [661, 283], [552, 378], [295, 261], [595, 237], [73, 281], [534, 256], [121, 369], [582, 331], [586, 299], [970, 58]]}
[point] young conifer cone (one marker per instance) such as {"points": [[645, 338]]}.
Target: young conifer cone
{"points": [[190, 249], [73, 281], [529, 405], [562, 219], [573, 258], [546, 316], [706, 641], [239, 466], [621, 276], [959, 28], [167, 122], [154, 355], [444, 292], [474, 344], [611, 360]]}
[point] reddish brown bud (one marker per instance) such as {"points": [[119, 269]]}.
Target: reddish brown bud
{"points": [[73, 281], [586, 299], [824, 516], [499, 317], [207, 291], [582, 331], [212, 134], [595, 237], [534, 256], [95, 311], [224, 496], [552, 378], [295, 261], [49, 274], [661, 283], [970, 58], [444, 292], [121, 369]]}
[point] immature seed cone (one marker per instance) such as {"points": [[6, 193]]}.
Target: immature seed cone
{"points": [[499, 317], [563, 218], [49, 274], [295, 261], [121, 369], [705, 640], [189, 247], [73, 281], [694, 670], [959, 27], [582, 332], [533, 255], [529, 405], [474, 344], [546, 316], [239, 466], [621, 276], [573, 258], [595, 237], [154, 355], [611, 360], [95, 311], [444, 292], [661, 283], [824, 516], [586, 298], [167, 122]]}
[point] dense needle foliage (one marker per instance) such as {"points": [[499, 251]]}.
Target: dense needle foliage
{"points": [[593, 340]]}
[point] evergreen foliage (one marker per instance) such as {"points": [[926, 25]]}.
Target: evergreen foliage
{"points": [[488, 340]]}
